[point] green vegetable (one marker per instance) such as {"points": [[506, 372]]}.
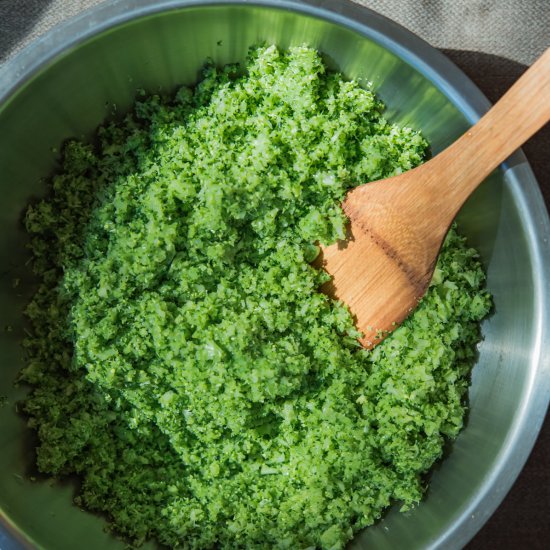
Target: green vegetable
{"points": [[181, 359]]}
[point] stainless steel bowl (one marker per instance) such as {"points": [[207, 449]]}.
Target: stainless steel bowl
{"points": [[69, 80]]}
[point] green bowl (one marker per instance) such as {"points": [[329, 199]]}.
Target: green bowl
{"points": [[69, 81]]}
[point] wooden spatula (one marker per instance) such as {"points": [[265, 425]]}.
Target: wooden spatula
{"points": [[397, 225]]}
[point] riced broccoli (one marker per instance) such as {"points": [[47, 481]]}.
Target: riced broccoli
{"points": [[181, 359]]}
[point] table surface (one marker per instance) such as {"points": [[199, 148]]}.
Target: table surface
{"points": [[493, 42]]}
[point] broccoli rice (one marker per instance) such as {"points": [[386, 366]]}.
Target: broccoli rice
{"points": [[181, 360]]}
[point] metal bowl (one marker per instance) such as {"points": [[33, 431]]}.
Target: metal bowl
{"points": [[68, 81]]}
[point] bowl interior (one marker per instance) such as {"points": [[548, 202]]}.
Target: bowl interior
{"points": [[97, 76]]}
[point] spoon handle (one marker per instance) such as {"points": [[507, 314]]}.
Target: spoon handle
{"points": [[521, 112]]}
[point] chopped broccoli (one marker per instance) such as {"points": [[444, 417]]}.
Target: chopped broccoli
{"points": [[181, 359]]}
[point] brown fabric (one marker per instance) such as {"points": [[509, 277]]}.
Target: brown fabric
{"points": [[492, 41], [515, 29]]}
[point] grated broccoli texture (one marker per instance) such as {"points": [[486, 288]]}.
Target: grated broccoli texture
{"points": [[181, 359]]}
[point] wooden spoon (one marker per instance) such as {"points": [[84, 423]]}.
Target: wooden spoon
{"points": [[397, 225]]}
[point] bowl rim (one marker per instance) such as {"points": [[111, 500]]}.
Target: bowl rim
{"points": [[18, 71]]}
